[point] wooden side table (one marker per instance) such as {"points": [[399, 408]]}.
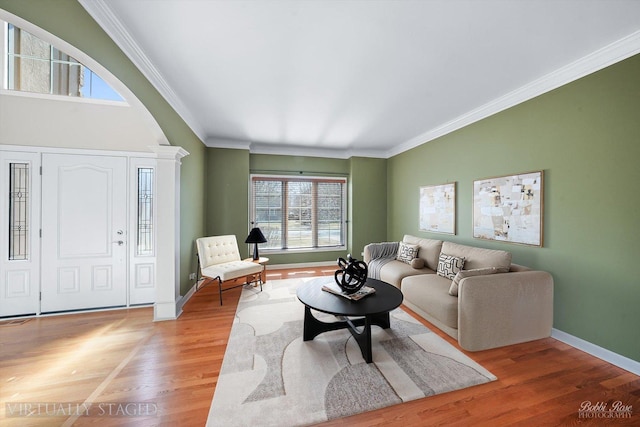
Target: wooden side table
{"points": [[263, 261]]}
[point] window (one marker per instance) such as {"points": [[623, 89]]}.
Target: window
{"points": [[145, 212], [299, 213], [33, 65], [18, 211]]}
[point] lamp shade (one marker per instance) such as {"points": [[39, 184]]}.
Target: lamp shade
{"points": [[255, 236]]}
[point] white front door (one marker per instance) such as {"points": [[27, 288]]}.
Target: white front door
{"points": [[84, 232]]}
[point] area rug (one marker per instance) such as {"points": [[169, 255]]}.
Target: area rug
{"points": [[271, 377]]}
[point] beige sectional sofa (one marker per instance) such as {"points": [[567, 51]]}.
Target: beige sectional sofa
{"points": [[497, 303]]}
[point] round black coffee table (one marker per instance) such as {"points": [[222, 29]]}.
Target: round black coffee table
{"points": [[371, 310]]}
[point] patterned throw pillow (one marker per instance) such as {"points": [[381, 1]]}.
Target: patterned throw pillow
{"points": [[449, 266], [407, 252]]}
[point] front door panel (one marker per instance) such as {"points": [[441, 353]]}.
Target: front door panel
{"points": [[84, 246]]}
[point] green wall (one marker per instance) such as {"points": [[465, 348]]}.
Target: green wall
{"points": [[68, 20], [228, 196], [300, 165], [368, 207], [585, 136]]}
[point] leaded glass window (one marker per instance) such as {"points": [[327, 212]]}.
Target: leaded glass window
{"points": [[18, 211], [145, 212]]}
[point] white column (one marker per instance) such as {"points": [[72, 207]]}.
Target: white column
{"points": [[167, 231]]}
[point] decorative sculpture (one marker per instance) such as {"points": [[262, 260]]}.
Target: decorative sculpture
{"points": [[352, 274]]}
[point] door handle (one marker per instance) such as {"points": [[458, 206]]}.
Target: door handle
{"points": [[119, 242]]}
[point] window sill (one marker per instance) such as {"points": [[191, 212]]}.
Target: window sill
{"points": [[63, 98], [302, 250]]}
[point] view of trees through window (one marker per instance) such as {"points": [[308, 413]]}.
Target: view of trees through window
{"points": [[300, 213], [33, 65]]}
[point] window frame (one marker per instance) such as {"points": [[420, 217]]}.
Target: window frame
{"points": [[4, 72], [24, 213], [146, 222], [283, 249]]}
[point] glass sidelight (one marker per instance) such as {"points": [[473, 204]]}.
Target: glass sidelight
{"points": [[145, 212], [18, 211]]}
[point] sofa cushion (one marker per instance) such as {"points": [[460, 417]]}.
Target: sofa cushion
{"points": [[453, 290], [449, 266], [394, 271], [430, 293], [407, 252], [429, 250], [478, 257], [232, 270]]}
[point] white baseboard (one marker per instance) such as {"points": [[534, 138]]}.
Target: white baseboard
{"points": [[166, 311], [597, 351], [186, 297]]}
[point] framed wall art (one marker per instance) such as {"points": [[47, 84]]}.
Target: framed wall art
{"points": [[509, 208], [438, 208]]}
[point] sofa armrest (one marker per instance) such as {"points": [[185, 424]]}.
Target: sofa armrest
{"points": [[382, 248], [366, 257], [503, 309]]}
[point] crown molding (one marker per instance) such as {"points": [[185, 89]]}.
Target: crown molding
{"points": [[595, 61], [235, 144], [171, 152], [289, 150], [109, 22], [278, 149], [332, 153]]}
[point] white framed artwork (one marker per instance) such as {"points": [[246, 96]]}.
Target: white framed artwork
{"points": [[509, 208], [438, 208]]}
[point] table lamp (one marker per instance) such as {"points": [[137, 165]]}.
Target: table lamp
{"points": [[255, 236]]}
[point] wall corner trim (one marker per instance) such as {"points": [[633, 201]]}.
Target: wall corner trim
{"points": [[597, 351]]}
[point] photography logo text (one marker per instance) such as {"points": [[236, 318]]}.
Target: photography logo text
{"points": [[615, 409]]}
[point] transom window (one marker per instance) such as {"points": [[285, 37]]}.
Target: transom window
{"points": [[299, 213], [33, 65]]}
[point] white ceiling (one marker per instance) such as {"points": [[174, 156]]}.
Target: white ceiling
{"points": [[359, 77]]}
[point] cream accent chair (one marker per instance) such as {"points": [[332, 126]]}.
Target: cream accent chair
{"points": [[219, 260]]}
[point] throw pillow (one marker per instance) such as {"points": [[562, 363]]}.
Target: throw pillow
{"points": [[417, 263], [453, 290], [448, 266], [407, 252]]}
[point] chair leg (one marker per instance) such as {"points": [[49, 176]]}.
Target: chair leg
{"points": [[220, 288]]}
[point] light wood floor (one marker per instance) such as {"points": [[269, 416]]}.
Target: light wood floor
{"points": [[122, 356]]}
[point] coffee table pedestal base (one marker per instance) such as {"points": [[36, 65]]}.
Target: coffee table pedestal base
{"points": [[314, 327]]}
